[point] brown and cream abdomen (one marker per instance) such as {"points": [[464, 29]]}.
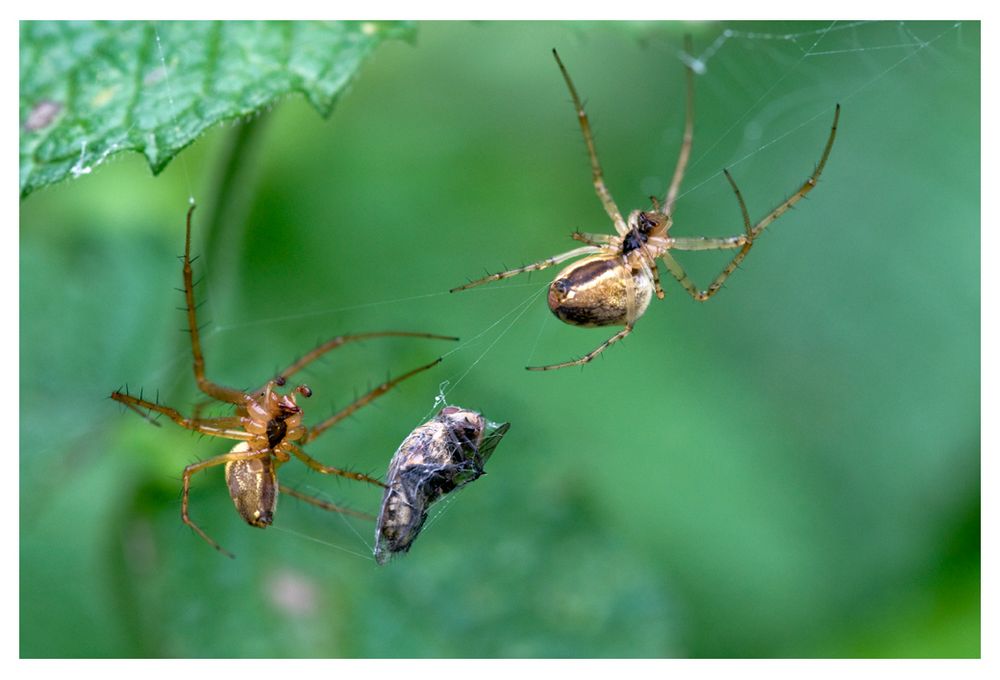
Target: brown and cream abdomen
{"points": [[594, 292]]}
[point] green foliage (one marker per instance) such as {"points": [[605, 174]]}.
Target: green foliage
{"points": [[92, 89]]}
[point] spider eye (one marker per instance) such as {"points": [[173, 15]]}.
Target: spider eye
{"points": [[645, 223], [561, 285]]}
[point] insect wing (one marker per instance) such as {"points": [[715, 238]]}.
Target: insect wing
{"points": [[491, 441], [472, 469]]}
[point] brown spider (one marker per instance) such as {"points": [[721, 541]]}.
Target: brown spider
{"points": [[267, 424], [614, 283]]}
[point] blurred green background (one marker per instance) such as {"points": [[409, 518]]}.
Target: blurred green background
{"points": [[789, 470]]}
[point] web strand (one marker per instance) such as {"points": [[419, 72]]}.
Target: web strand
{"points": [[916, 47], [173, 109]]}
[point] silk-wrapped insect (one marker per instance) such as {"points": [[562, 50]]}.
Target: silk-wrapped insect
{"points": [[441, 455]]}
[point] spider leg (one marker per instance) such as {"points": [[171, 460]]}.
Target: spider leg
{"points": [[214, 390], [656, 282], [364, 400], [214, 427], [341, 340], [542, 264], [328, 470], [594, 239], [685, 153], [648, 263], [587, 357], [201, 406], [703, 243], [809, 184], [631, 302], [201, 465], [323, 504], [752, 232], [689, 285], [595, 166]]}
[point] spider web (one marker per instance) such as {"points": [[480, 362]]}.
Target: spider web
{"points": [[776, 116]]}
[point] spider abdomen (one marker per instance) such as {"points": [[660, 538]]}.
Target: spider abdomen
{"points": [[253, 486], [594, 291]]}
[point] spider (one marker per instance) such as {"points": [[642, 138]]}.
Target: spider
{"points": [[267, 424], [614, 282]]}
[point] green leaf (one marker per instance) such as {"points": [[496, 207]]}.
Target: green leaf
{"points": [[91, 89]]}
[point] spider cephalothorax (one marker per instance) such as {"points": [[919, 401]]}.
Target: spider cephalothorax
{"points": [[634, 240], [614, 282], [274, 418], [642, 225]]}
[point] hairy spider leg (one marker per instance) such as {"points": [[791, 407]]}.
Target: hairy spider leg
{"points": [[541, 264], [685, 152], [342, 340], [364, 400], [648, 263], [201, 406], [587, 358], [214, 427], [214, 390], [596, 239], [706, 243], [678, 272], [328, 470], [595, 166], [323, 504], [744, 242], [809, 184]]}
